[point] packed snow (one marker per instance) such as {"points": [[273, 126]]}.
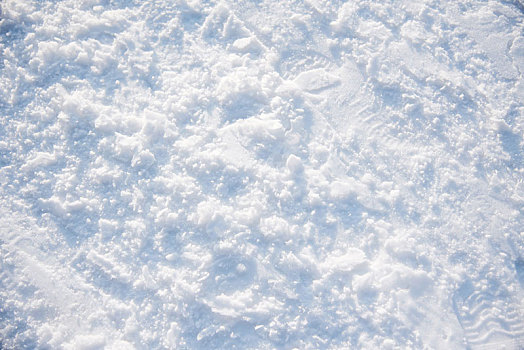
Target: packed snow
{"points": [[263, 174]]}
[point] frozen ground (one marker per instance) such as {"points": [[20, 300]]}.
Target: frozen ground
{"points": [[262, 174]]}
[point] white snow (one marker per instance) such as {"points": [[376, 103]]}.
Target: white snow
{"points": [[262, 175]]}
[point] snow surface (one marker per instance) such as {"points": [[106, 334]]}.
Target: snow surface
{"points": [[262, 174]]}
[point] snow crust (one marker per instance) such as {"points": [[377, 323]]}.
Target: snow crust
{"points": [[264, 174]]}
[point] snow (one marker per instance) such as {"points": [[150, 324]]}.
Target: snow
{"points": [[257, 175]]}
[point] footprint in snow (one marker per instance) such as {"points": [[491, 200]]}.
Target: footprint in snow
{"points": [[231, 272], [491, 319]]}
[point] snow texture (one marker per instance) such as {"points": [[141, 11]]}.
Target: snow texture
{"points": [[313, 174]]}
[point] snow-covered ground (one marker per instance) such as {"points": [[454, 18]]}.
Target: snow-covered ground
{"points": [[262, 174]]}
